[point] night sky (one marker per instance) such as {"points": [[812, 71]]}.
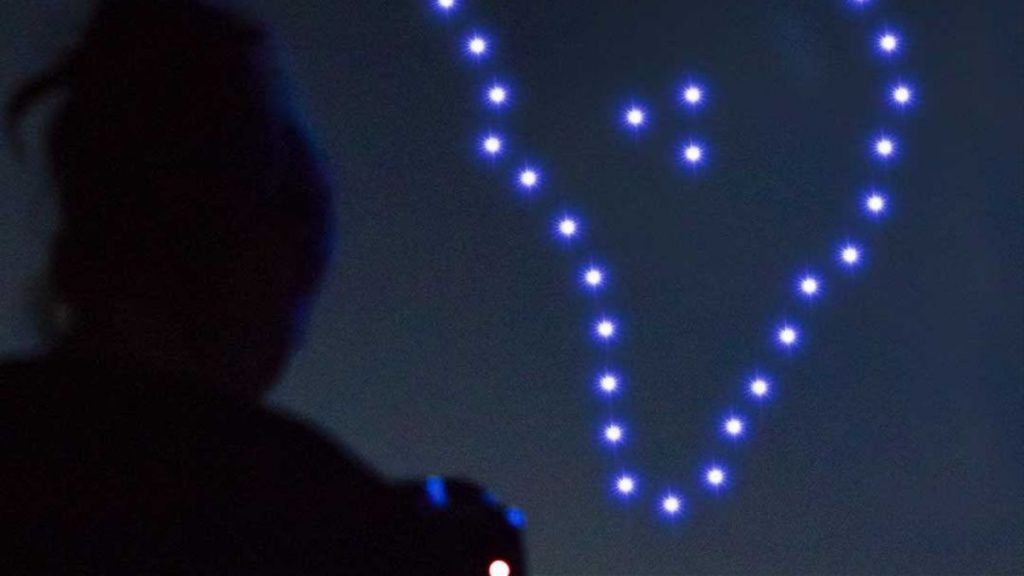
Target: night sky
{"points": [[452, 336]]}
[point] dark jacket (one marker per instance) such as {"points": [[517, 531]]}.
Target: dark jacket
{"points": [[108, 474]]}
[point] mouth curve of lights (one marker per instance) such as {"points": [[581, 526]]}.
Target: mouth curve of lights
{"points": [[757, 388]]}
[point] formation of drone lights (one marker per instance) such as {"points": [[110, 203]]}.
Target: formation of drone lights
{"points": [[593, 278]]}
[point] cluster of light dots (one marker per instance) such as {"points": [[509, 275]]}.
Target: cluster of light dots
{"points": [[593, 278]]}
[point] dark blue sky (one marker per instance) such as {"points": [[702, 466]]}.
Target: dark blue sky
{"points": [[452, 336]]}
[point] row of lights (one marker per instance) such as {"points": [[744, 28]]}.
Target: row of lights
{"points": [[809, 286]]}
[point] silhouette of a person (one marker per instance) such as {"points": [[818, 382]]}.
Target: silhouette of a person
{"points": [[196, 227]]}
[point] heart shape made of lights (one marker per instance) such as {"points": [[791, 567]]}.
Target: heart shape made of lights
{"points": [[692, 153]]}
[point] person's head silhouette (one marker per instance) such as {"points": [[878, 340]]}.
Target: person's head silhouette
{"points": [[197, 222]]}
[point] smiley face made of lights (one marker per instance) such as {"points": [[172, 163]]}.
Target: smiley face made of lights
{"points": [[691, 153]]}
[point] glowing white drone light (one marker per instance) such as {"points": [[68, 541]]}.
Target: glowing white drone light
{"points": [[850, 255], [614, 433], [671, 504], [609, 383], [693, 95], [499, 568], [477, 46], [606, 329], [876, 204], [497, 95], [715, 477], [902, 94], [734, 426], [888, 43], [636, 117], [759, 388], [568, 227], [810, 286], [693, 154], [446, 4], [625, 485], [529, 178], [788, 336], [885, 147], [493, 145], [593, 277]]}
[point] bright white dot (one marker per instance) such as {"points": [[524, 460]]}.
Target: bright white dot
{"points": [[715, 476], [693, 153], [875, 203], [850, 255], [594, 277], [613, 433], [636, 117], [609, 383], [625, 485], [889, 43], [759, 387], [497, 94], [477, 46], [734, 427], [606, 329], [499, 568], [810, 286], [493, 145], [885, 147], [568, 227], [671, 504], [788, 335], [529, 178], [693, 95], [446, 4], [902, 95]]}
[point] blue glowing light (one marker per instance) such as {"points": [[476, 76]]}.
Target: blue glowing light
{"points": [[850, 255], [594, 277], [885, 147], [614, 433], [446, 5], [875, 204], [529, 178], [635, 117], [437, 492], [902, 95], [671, 504], [568, 227], [492, 145], [693, 95], [499, 568], [693, 153], [734, 427], [715, 477], [497, 95], [760, 388], [605, 329], [888, 42], [609, 383], [810, 286], [625, 485], [788, 336], [477, 46], [515, 517]]}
